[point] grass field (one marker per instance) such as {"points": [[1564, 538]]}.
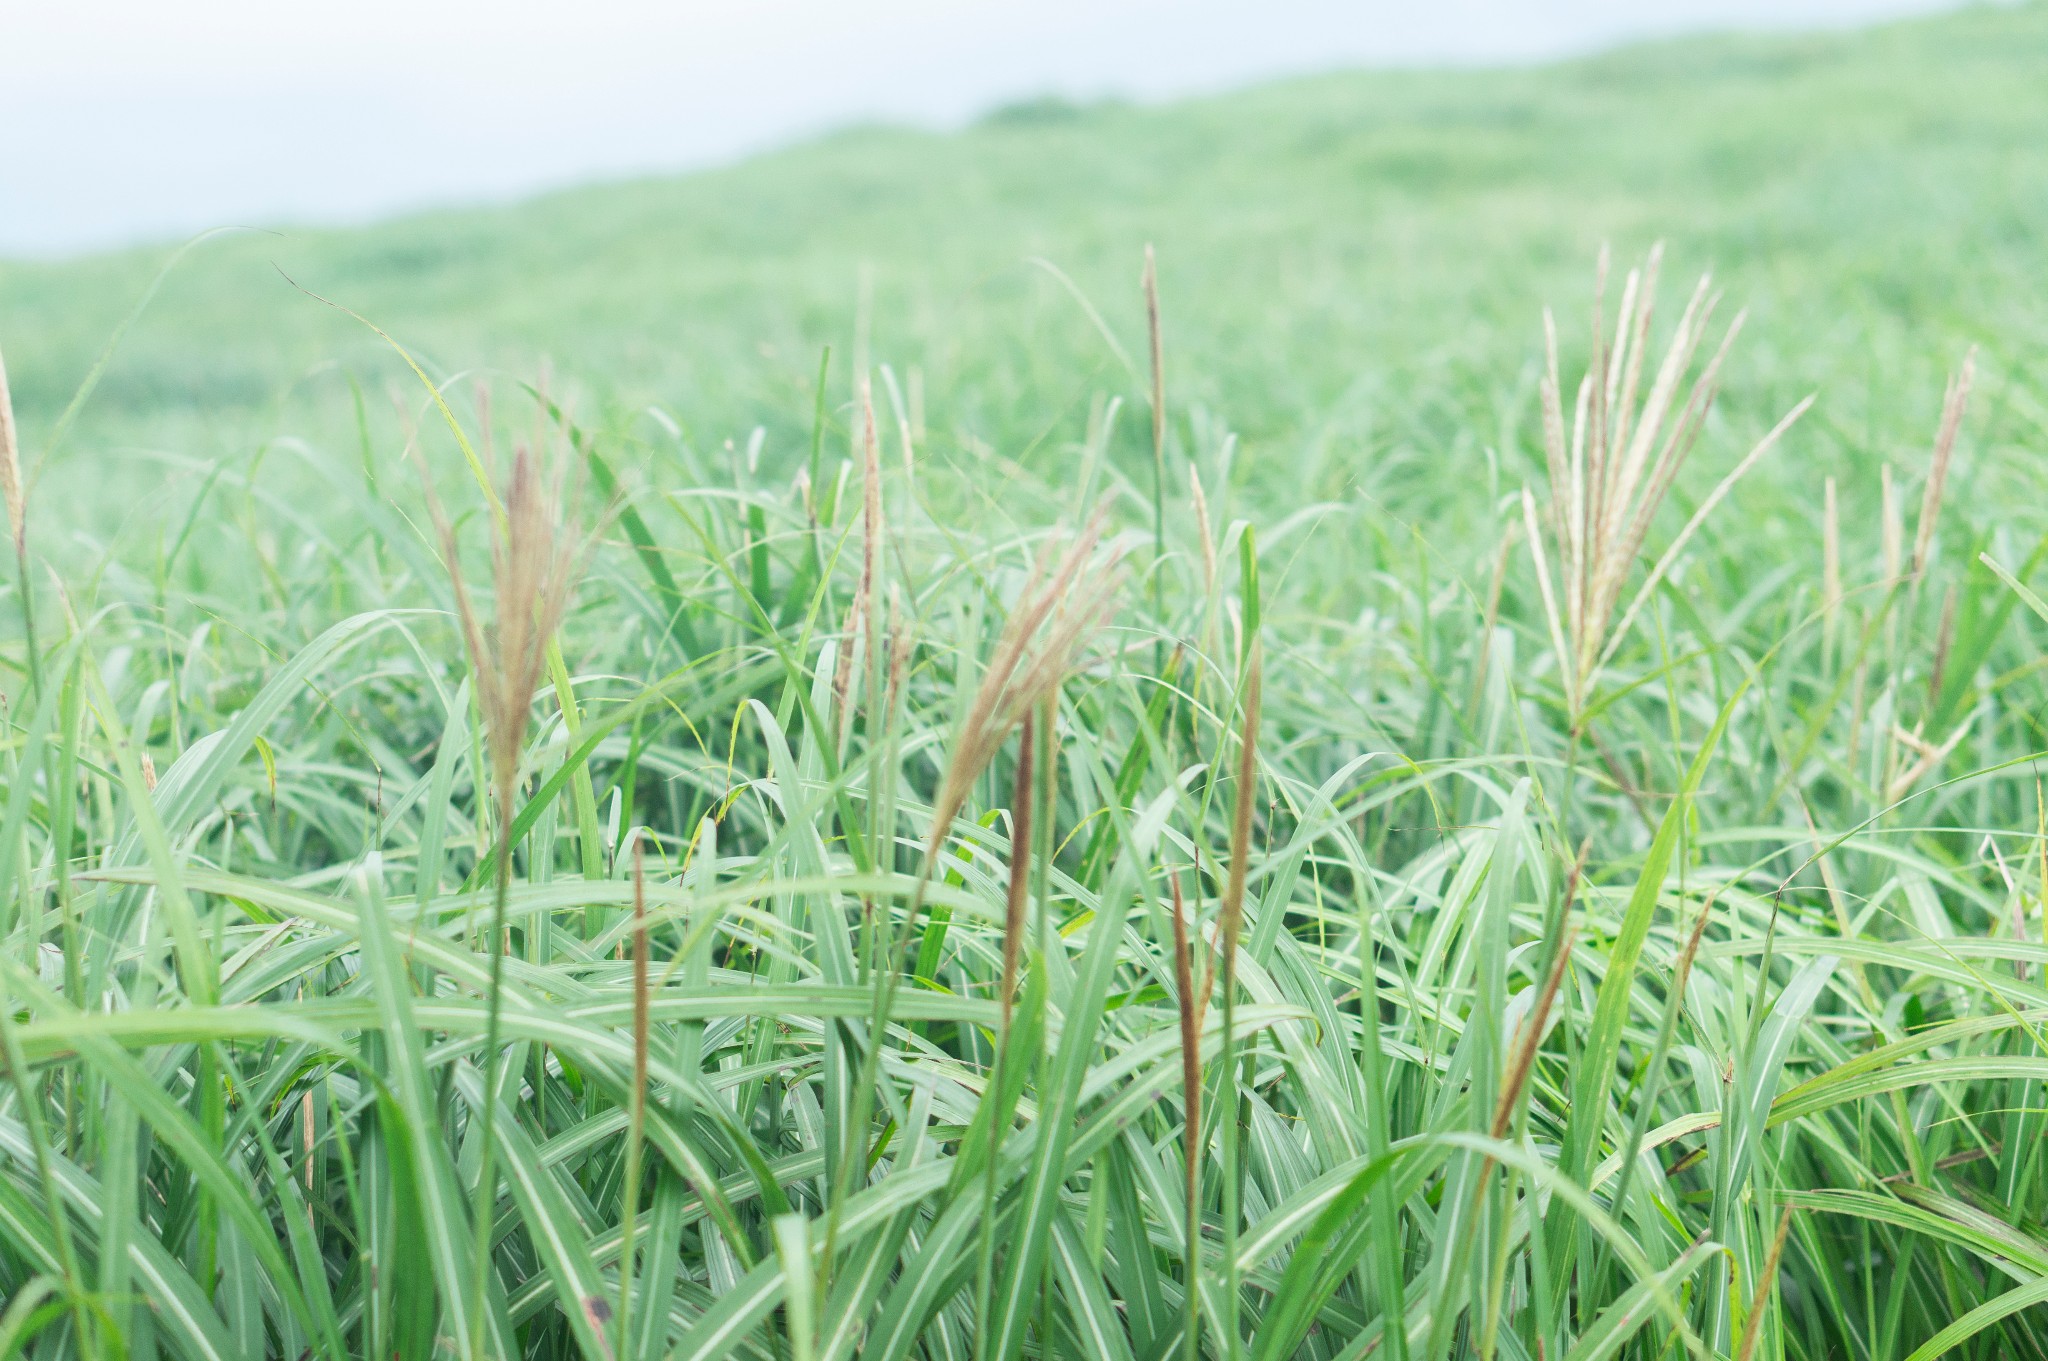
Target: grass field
{"points": [[737, 783]]}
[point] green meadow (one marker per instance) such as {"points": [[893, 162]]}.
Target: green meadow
{"points": [[1257, 728]]}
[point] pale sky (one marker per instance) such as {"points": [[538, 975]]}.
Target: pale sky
{"points": [[136, 120]]}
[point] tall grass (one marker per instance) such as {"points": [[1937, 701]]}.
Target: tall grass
{"points": [[864, 931]]}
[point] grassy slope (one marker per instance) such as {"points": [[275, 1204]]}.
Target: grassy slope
{"points": [[1352, 268], [1352, 265]]}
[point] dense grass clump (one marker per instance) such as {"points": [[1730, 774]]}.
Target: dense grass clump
{"points": [[863, 931], [1372, 826]]}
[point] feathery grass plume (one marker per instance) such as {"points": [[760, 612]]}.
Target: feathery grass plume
{"points": [[902, 642], [1042, 640], [534, 562], [1608, 482], [1955, 400], [861, 624]]}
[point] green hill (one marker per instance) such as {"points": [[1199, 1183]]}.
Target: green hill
{"points": [[1352, 265]]}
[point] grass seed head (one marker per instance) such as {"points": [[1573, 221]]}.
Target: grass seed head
{"points": [[1609, 478], [534, 565], [1954, 402], [861, 623], [1042, 641]]}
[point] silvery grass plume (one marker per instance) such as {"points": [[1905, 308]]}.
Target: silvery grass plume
{"points": [[1048, 630], [1606, 485], [1056, 615], [534, 564], [1955, 401]]}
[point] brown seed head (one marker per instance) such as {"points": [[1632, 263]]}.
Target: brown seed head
{"points": [[1041, 642], [1954, 403], [534, 564]]}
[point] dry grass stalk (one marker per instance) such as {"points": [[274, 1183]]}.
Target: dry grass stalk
{"points": [[1041, 642], [1926, 757], [1192, 1006], [534, 563], [901, 644], [842, 669], [1608, 481], [1955, 400], [306, 1145], [1523, 1060], [1752, 1327]]}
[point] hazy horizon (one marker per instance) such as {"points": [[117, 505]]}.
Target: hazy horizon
{"points": [[128, 123]]}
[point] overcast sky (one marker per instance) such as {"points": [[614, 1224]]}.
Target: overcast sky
{"points": [[132, 120]]}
